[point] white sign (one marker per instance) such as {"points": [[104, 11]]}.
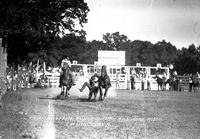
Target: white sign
{"points": [[111, 57], [75, 62], [95, 63], [159, 65], [138, 64]]}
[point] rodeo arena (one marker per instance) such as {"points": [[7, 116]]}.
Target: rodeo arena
{"points": [[121, 76], [106, 99]]}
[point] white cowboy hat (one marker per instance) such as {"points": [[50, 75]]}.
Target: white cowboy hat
{"points": [[95, 79], [67, 61]]}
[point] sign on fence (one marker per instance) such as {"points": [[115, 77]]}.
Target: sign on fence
{"points": [[111, 57]]}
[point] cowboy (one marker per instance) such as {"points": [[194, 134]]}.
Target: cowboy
{"points": [[93, 82], [149, 82], [142, 75], [117, 81], [65, 65], [66, 78], [93, 85], [190, 83], [133, 77]]}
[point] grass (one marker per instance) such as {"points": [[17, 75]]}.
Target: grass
{"points": [[124, 114]]}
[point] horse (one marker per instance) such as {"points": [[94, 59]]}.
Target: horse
{"points": [[173, 83], [66, 82], [195, 83], [104, 82], [161, 82]]}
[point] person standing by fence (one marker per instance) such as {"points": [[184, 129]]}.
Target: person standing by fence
{"points": [[195, 82], [149, 82], [198, 76], [190, 83], [143, 76], [117, 81], [133, 74]]}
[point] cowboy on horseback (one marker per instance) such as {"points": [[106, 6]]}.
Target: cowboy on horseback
{"points": [[66, 78]]}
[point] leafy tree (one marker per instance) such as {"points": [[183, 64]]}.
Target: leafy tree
{"points": [[90, 52], [115, 40], [35, 23], [188, 61], [163, 50]]}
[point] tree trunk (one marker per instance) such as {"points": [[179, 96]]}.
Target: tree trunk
{"points": [[3, 65]]}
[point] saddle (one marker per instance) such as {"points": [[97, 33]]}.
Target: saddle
{"points": [[66, 78]]}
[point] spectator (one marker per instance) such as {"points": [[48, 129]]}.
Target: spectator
{"points": [[190, 83], [133, 75], [117, 81], [149, 83]]}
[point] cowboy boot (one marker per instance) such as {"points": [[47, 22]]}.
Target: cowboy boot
{"points": [[83, 86]]}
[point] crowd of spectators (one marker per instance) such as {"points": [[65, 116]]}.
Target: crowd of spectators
{"points": [[25, 77]]}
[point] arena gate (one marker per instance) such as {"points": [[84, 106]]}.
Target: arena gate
{"points": [[142, 74], [121, 75]]}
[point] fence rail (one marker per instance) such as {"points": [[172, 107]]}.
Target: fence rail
{"points": [[186, 83]]}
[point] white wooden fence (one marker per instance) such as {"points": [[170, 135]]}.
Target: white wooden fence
{"points": [[53, 79]]}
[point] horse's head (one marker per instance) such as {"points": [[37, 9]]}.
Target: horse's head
{"points": [[103, 70]]}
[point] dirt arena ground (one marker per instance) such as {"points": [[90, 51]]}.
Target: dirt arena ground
{"points": [[34, 113]]}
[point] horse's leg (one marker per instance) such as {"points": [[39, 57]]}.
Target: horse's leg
{"points": [[106, 90], [62, 91], [164, 86], [95, 95], [101, 93], [65, 92], [66, 95]]}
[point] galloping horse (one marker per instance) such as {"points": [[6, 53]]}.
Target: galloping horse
{"points": [[66, 81], [104, 82]]}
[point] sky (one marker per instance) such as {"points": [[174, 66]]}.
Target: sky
{"points": [[175, 21]]}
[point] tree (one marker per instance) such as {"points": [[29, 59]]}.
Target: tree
{"points": [[35, 23], [31, 26], [165, 52], [115, 40], [188, 60]]}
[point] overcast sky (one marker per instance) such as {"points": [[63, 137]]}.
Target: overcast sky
{"points": [[176, 21]]}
